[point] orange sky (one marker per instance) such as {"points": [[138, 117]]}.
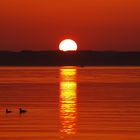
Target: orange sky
{"points": [[94, 24]]}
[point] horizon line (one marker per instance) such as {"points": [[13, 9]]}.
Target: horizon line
{"points": [[69, 51]]}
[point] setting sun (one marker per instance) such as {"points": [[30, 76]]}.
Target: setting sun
{"points": [[68, 45]]}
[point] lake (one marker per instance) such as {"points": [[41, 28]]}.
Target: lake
{"points": [[78, 103]]}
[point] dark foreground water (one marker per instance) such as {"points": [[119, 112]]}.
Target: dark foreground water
{"points": [[90, 103]]}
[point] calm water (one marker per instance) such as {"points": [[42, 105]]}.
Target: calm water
{"points": [[90, 103]]}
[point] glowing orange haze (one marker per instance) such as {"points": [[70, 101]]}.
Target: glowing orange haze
{"points": [[94, 24]]}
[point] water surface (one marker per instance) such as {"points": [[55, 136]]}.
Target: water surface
{"points": [[89, 103]]}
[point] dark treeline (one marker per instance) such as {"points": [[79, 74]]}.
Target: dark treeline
{"points": [[79, 58]]}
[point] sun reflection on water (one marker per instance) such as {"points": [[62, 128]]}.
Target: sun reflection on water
{"points": [[68, 100]]}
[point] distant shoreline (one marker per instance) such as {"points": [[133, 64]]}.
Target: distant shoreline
{"points": [[71, 58]]}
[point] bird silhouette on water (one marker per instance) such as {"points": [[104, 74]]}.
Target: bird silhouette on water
{"points": [[8, 111], [22, 110]]}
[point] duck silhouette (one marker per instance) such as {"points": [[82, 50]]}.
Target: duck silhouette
{"points": [[8, 111], [22, 110]]}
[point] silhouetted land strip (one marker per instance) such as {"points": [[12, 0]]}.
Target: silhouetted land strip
{"points": [[79, 58]]}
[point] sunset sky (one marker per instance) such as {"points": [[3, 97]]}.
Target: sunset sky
{"points": [[93, 24]]}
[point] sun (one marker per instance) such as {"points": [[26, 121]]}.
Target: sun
{"points": [[68, 45]]}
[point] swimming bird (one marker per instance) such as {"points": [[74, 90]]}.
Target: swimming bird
{"points": [[8, 111], [22, 111]]}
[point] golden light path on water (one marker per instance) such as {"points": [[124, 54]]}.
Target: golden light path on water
{"points": [[68, 100]]}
